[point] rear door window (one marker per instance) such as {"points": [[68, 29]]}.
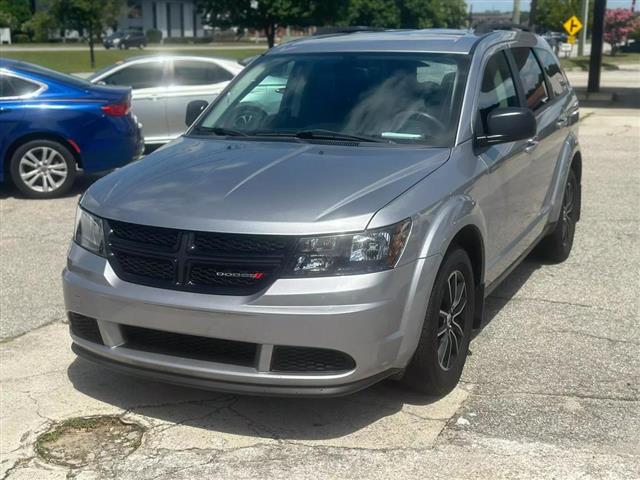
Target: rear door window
{"points": [[16, 87], [498, 88], [532, 78], [557, 80], [138, 75], [193, 72]]}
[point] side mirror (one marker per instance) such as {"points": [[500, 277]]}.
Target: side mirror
{"points": [[194, 109], [508, 124]]}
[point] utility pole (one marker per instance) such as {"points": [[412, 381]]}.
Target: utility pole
{"points": [[584, 14], [516, 12], [532, 15], [597, 34]]}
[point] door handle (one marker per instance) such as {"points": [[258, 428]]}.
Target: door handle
{"points": [[532, 144], [562, 122], [4, 110]]}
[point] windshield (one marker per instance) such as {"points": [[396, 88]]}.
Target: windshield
{"points": [[391, 97]]}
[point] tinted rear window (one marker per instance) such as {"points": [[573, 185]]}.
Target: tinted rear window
{"points": [[54, 75]]}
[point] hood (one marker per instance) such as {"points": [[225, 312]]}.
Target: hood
{"points": [[260, 187]]}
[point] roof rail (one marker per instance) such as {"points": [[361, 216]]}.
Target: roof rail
{"points": [[487, 27], [348, 29]]}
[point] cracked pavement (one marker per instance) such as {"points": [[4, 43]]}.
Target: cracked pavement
{"points": [[551, 389]]}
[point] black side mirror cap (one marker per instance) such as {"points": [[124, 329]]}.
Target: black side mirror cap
{"points": [[508, 124], [194, 109]]}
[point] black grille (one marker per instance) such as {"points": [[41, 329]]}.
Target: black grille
{"points": [[204, 262], [303, 359], [190, 346], [148, 267], [85, 327], [162, 237]]}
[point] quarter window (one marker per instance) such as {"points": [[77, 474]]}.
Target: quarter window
{"points": [[498, 88], [531, 76], [557, 80], [190, 72], [15, 87], [140, 75]]}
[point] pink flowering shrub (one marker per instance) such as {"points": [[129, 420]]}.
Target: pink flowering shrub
{"points": [[619, 23]]}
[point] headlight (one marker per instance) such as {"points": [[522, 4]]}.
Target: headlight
{"points": [[349, 254], [89, 232]]}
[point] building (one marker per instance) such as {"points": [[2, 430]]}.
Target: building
{"points": [[174, 18]]}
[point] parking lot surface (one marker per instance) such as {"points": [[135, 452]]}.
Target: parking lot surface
{"points": [[551, 389]]}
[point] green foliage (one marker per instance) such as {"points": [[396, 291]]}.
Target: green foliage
{"points": [[154, 35], [13, 13], [90, 15], [372, 13], [268, 15], [39, 26], [551, 14]]}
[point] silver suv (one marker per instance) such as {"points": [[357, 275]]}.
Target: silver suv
{"points": [[336, 216]]}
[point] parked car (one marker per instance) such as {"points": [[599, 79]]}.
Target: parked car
{"points": [[125, 40], [52, 124], [164, 85], [351, 234]]}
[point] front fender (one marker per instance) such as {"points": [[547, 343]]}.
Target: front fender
{"points": [[570, 149]]}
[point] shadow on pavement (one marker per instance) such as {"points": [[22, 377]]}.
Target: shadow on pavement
{"points": [[283, 418], [267, 417], [611, 97]]}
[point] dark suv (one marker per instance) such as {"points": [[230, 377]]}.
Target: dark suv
{"points": [[125, 40]]}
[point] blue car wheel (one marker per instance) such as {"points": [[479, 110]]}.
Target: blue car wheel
{"points": [[43, 169]]}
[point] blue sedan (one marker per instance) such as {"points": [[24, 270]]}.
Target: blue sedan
{"points": [[52, 125]]}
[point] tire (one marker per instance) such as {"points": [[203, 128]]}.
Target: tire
{"points": [[437, 363], [556, 246], [53, 164]]}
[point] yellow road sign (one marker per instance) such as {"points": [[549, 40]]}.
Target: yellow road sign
{"points": [[571, 39], [573, 25]]}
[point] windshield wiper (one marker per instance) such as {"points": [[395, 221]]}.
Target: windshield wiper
{"points": [[229, 132], [321, 134]]}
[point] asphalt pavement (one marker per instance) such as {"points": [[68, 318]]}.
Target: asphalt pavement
{"points": [[551, 389]]}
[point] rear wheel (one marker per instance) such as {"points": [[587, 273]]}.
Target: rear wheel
{"points": [[43, 169], [556, 246], [442, 350]]}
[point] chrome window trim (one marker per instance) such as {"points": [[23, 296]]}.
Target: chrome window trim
{"points": [[41, 86]]}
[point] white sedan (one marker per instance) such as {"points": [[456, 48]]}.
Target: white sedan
{"points": [[164, 85]]}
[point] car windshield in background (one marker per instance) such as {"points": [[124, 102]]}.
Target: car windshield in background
{"points": [[393, 98]]}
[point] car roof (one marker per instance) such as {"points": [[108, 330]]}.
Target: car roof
{"points": [[426, 40]]}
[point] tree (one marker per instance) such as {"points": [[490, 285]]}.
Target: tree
{"points": [[551, 14], [40, 25], [92, 16], [267, 15], [407, 13], [619, 23], [372, 13], [13, 13]]}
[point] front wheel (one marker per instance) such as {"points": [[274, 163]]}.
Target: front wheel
{"points": [[43, 169], [437, 364]]}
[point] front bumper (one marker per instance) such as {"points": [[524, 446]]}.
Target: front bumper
{"points": [[374, 318]]}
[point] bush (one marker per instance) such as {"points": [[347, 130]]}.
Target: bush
{"points": [[20, 38], [39, 26], [154, 35], [187, 40]]}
